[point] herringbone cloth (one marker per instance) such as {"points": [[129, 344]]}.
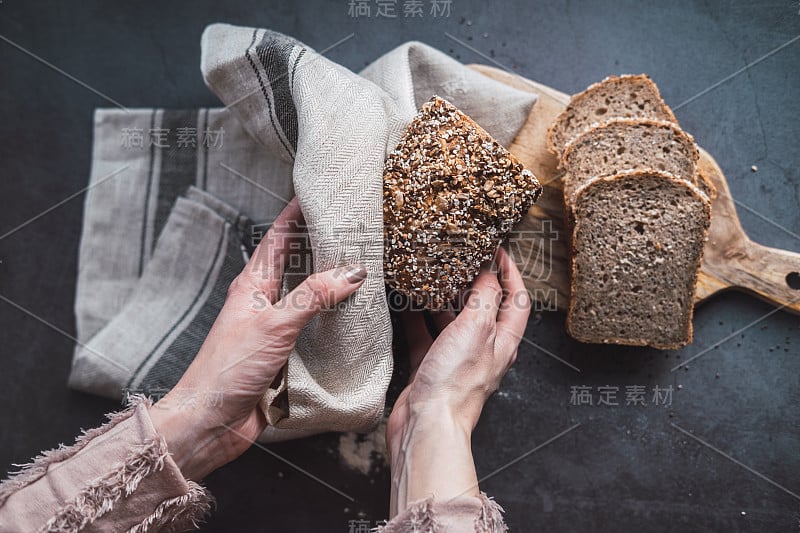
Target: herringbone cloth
{"points": [[167, 224]]}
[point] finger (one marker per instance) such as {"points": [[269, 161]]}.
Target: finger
{"points": [[266, 265], [417, 337], [441, 320], [320, 291], [484, 297], [512, 318]]}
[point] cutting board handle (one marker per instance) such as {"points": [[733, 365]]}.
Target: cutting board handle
{"points": [[770, 273]]}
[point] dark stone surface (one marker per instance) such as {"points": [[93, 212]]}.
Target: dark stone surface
{"points": [[622, 467]]}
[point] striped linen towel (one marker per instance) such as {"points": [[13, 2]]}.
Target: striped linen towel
{"points": [[178, 198]]}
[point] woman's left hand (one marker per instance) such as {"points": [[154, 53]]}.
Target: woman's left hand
{"points": [[245, 350]]}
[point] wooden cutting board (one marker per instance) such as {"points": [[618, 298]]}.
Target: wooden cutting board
{"points": [[731, 260]]}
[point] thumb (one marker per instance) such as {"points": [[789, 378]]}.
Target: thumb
{"points": [[320, 291]]}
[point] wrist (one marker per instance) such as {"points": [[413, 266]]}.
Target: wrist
{"points": [[431, 456], [434, 437], [439, 412], [193, 446]]}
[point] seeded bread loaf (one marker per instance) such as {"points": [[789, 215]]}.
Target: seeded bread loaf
{"points": [[451, 194], [636, 249], [627, 144], [627, 96]]}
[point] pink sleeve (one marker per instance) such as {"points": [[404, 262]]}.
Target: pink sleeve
{"points": [[118, 477], [464, 514]]}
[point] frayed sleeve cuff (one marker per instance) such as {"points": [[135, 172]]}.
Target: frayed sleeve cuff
{"points": [[118, 477], [463, 514]]}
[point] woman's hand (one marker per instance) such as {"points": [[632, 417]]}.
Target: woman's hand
{"points": [[429, 430], [245, 350]]}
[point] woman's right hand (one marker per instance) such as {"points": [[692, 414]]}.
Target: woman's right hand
{"points": [[429, 430]]}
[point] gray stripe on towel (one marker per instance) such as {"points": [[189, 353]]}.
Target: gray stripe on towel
{"points": [[193, 307], [178, 162], [143, 247], [169, 368], [274, 52]]}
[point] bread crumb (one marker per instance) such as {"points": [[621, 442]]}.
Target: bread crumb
{"points": [[364, 453], [754, 168]]}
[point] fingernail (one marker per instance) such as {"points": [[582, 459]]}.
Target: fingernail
{"points": [[355, 274]]}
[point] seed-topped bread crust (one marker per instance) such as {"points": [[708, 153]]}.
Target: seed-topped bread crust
{"points": [[451, 194]]}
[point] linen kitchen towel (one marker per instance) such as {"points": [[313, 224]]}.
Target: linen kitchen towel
{"points": [[177, 197]]}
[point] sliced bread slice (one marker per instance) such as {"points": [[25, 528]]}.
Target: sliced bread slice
{"points": [[628, 144], [627, 96], [637, 247]]}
